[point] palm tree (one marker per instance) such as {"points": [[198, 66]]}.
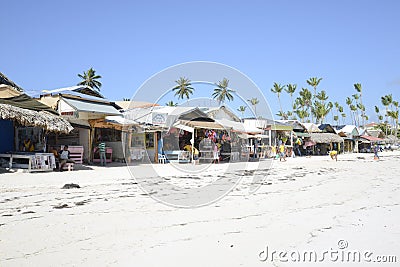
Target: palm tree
{"points": [[184, 88], [171, 104], [302, 114], [353, 110], [306, 97], [291, 89], [336, 117], [356, 97], [390, 100], [349, 103], [314, 82], [126, 99], [321, 110], [277, 89], [90, 79], [242, 109], [330, 106], [358, 88], [283, 115], [386, 102], [396, 117], [322, 96], [254, 101], [343, 117], [222, 92]]}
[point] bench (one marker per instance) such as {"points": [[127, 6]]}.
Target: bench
{"points": [[96, 154], [180, 156], [75, 154]]}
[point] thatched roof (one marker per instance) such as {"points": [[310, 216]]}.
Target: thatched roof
{"points": [[43, 119], [326, 138], [6, 81]]}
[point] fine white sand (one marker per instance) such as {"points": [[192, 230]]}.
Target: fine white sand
{"points": [[302, 204]]}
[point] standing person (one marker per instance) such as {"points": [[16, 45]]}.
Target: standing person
{"points": [[102, 152], [309, 151], [215, 153], [65, 157], [376, 149], [282, 154], [273, 152], [255, 148], [297, 146]]}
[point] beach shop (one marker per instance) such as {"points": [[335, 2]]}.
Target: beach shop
{"points": [[26, 125], [87, 114], [175, 134]]}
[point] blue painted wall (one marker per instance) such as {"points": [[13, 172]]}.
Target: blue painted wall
{"points": [[6, 136]]}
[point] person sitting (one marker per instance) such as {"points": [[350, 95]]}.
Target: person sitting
{"points": [[28, 145], [56, 156], [194, 149], [64, 157]]}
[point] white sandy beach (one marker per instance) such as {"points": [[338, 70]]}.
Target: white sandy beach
{"points": [[303, 204]]}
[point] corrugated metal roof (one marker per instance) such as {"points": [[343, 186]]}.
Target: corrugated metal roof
{"points": [[92, 107]]}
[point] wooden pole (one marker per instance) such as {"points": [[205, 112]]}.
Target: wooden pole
{"points": [[155, 148], [128, 147]]}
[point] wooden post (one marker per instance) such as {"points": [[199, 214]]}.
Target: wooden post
{"points": [[128, 147], [291, 138], [270, 137], [155, 148]]}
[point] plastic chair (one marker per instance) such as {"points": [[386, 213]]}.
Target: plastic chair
{"points": [[161, 159]]}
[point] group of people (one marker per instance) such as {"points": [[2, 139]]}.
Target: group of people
{"points": [[279, 151], [63, 156]]}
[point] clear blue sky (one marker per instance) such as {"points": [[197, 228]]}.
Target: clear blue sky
{"points": [[44, 44]]}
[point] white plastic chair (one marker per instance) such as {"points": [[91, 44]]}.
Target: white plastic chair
{"points": [[161, 159]]}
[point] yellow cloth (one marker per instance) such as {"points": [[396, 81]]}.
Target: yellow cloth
{"points": [[333, 153]]}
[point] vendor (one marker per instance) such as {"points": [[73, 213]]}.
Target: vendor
{"points": [[28, 145]]}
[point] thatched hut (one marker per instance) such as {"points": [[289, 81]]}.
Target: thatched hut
{"points": [[21, 116], [325, 138], [325, 142]]}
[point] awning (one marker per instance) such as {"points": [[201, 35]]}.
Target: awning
{"points": [[280, 127], [262, 136], [302, 134], [371, 138], [92, 107], [26, 102], [120, 120], [202, 124]]}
